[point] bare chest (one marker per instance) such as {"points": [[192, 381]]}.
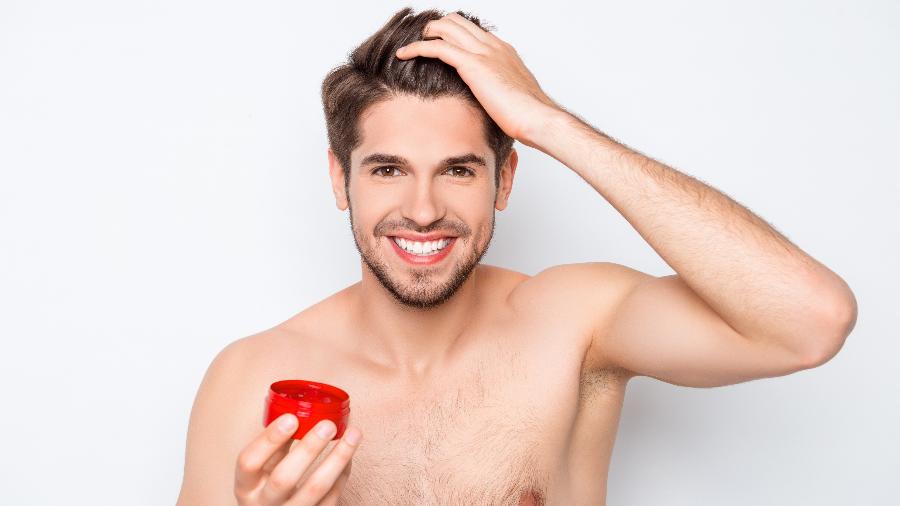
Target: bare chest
{"points": [[483, 436]]}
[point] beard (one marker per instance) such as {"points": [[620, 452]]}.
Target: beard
{"points": [[424, 290]]}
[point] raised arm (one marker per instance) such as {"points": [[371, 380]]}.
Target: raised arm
{"points": [[745, 302], [659, 327]]}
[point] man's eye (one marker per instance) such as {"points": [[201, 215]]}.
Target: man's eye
{"points": [[466, 171], [386, 171]]}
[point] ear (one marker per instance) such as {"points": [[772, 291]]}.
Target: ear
{"points": [[337, 181], [507, 172]]}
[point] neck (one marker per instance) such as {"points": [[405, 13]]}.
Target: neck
{"points": [[411, 341]]}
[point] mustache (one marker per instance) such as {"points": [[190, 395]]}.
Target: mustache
{"points": [[456, 228]]}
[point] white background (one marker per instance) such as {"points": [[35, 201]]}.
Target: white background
{"points": [[164, 191]]}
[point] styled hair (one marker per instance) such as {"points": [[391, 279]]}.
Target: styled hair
{"points": [[373, 73]]}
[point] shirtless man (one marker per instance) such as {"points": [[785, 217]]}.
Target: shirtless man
{"points": [[474, 384]]}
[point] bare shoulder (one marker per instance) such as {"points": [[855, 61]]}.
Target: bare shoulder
{"points": [[581, 298], [569, 285], [228, 406], [211, 446]]}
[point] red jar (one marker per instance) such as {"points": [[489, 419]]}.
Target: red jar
{"points": [[311, 401]]}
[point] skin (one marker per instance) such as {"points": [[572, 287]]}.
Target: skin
{"points": [[468, 377]]}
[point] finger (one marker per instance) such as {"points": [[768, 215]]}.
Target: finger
{"points": [[454, 34], [476, 31], [436, 48], [321, 481], [333, 495], [322, 456], [250, 462], [283, 479], [277, 456]]}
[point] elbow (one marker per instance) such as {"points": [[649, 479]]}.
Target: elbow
{"points": [[838, 320]]}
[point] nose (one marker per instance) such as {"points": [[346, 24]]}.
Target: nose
{"points": [[422, 203]]}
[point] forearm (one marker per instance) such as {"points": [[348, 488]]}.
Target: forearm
{"points": [[764, 286]]}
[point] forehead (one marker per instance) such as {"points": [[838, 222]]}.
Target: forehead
{"points": [[422, 130]]}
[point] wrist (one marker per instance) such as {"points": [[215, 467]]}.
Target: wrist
{"points": [[547, 122], [567, 138]]}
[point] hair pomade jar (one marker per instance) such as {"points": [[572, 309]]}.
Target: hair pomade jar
{"points": [[310, 401]]}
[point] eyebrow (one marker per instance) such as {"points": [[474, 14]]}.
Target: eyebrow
{"points": [[468, 158]]}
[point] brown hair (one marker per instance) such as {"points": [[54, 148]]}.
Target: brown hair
{"points": [[373, 73]]}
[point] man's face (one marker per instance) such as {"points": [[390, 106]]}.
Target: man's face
{"points": [[423, 171]]}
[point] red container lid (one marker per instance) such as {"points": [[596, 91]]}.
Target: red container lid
{"points": [[310, 401]]}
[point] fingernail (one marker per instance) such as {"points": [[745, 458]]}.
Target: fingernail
{"points": [[352, 435], [325, 429], [287, 423]]}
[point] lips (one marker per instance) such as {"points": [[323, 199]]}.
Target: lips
{"points": [[422, 259]]}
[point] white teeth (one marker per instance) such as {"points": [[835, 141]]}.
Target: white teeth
{"points": [[422, 248]]}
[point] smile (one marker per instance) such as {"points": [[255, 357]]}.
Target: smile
{"points": [[422, 253]]}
